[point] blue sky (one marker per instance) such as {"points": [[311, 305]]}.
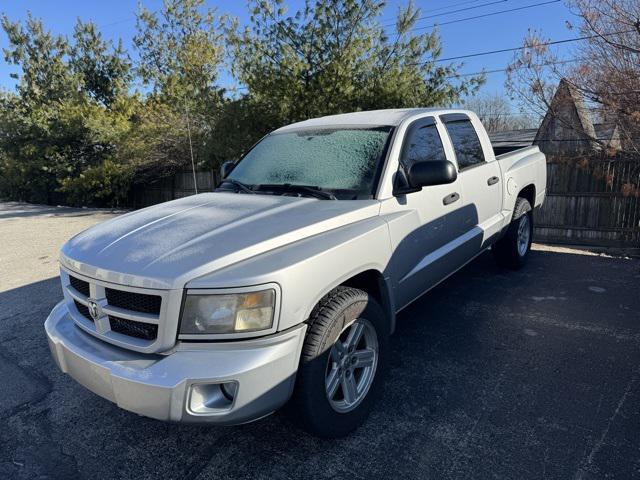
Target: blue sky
{"points": [[116, 19]]}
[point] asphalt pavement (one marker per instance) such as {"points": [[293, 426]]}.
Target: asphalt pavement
{"points": [[494, 374]]}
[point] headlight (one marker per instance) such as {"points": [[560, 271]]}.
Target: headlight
{"points": [[228, 313]]}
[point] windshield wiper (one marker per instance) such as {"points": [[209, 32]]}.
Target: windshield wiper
{"points": [[239, 185], [302, 189]]}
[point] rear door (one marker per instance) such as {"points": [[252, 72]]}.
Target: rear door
{"points": [[481, 179], [419, 221]]}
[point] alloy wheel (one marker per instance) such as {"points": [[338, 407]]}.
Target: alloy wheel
{"points": [[524, 235], [352, 364]]}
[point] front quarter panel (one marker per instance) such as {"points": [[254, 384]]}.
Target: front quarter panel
{"points": [[309, 269]]}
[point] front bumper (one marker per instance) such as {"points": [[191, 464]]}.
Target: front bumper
{"points": [[175, 387]]}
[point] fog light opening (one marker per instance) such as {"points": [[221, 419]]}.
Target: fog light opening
{"points": [[212, 398], [229, 390]]}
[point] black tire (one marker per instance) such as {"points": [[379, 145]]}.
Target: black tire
{"points": [[310, 406], [506, 251]]}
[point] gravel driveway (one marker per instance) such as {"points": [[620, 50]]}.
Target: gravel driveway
{"points": [[494, 374]]}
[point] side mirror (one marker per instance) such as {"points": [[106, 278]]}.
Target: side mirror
{"points": [[426, 173], [226, 167]]}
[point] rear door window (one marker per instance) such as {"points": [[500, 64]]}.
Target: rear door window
{"points": [[464, 138]]}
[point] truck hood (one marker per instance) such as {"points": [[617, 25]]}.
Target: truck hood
{"points": [[167, 245]]}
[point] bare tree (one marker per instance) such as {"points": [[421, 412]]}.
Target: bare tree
{"points": [[604, 67], [497, 115]]}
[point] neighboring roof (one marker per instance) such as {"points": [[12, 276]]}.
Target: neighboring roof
{"points": [[525, 137], [391, 117], [606, 131], [513, 138], [577, 117]]}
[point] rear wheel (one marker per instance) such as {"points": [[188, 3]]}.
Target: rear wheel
{"points": [[512, 250], [342, 363]]}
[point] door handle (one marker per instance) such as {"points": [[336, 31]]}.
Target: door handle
{"points": [[452, 197], [493, 181]]}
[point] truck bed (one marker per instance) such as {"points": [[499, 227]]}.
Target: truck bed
{"points": [[501, 150]]}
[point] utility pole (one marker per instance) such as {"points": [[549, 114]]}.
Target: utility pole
{"points": [[193, 165]]}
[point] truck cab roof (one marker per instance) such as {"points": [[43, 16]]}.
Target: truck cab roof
{"points": [[392, 117]]}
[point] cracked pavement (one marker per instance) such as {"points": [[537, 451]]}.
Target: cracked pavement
{"points": [[494, 374]]}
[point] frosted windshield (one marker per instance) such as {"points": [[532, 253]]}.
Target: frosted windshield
{"points": [[333, 159]]}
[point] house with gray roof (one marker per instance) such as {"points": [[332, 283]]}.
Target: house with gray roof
{"points": [[566, 129]]}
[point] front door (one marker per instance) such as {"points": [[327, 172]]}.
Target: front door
{"points": [[419, 222]]}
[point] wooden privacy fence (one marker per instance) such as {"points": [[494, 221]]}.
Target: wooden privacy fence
{"points": [[169, 188], [591, 201]]}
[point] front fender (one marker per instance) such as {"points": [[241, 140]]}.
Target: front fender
{"points": [[308, 269]]}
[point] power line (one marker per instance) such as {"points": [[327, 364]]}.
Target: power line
{"points": [[524, 47], [118, 22], [129, 19], [480, 72], [452, 5], [513, 49], [504, 114], [587, 138], [497, 70], [498, 114], [444, 8], [462, 9], [490, 14], [390, 24]]}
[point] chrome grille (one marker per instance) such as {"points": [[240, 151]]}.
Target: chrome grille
{"points": [[123, 313], [146, 331], [137, 302], [83, 309], [80, 285]]}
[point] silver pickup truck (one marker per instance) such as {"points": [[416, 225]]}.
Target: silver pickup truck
{"points": [[283, 285]]}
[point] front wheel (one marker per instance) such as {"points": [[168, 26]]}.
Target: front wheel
{"points": [[512, 250], [342, 363]]}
